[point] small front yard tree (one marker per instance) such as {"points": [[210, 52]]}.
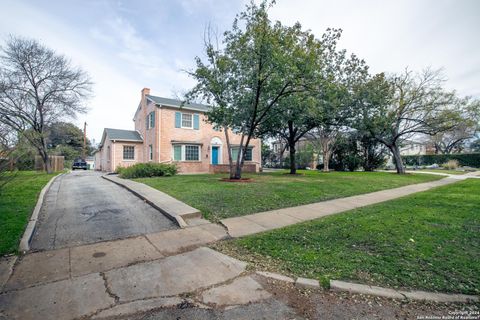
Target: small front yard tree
{"points": [[402, 106], [38, 87], [333, 95], [260, 63], [322, 107]]}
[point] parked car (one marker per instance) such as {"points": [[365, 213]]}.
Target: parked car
{"points": [[79, 164]]}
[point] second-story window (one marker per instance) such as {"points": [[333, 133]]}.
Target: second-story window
{"points": [[150, 121], [187, 121]]}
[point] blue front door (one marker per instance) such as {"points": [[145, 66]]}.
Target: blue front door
{"points": [[214, 155]]}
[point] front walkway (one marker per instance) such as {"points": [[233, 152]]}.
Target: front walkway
{"points": [[269, 220]]}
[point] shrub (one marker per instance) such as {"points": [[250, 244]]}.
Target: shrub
{"points": [[119, 170], [450, 164], [144, 170], [464, 159]]}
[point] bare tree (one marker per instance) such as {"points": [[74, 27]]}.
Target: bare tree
{"points": [[464, 128], [396, 108], [37, 88], [323, 140]]}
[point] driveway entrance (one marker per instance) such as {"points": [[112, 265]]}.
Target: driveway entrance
{"points": [[82, 208]]}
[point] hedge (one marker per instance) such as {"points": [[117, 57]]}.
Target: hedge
{"points": [[143, 170], [464, 159]]}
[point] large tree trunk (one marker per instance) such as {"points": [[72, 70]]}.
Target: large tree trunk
{"points": [[293, 165], [239, 164], [43, 152], [46, 161], [397, 159], [229, 152], [326, 159], [327, 152], [327, 141]]}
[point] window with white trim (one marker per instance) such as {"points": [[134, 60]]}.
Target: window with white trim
{"points": [[150, 120], [150, 152], [186, 152], [192, 153], [128, 153], [248, 154], [187, 120]]}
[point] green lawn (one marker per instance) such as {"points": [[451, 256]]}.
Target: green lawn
{"points": [[17, 200], [217, 199], [428, 241]]}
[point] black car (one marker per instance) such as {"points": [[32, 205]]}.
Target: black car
{"points": [[79, 164]]}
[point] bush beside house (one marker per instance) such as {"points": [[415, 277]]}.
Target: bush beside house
{"points": [[145, 170]]}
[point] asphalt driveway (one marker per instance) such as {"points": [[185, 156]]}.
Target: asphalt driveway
{"points": [[82, 208]]}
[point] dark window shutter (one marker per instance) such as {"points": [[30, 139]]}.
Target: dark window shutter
{"points": [[196, 122], [178, 119]]}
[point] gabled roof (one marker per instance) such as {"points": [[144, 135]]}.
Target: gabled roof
{"points": [[120, 135], [177, 103]]}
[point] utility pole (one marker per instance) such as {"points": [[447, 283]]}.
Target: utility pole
{"points": [[84, 140]]}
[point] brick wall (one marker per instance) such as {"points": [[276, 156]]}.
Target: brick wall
{"points": [[224, 168], [117, 152], [203, 136], [164, 132]]}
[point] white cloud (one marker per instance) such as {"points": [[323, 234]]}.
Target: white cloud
{"points": [[119, 61], [391, 35], [125, 46]]}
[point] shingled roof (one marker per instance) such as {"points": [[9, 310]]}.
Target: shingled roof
{"points": [[121, 135], [177, 103]]}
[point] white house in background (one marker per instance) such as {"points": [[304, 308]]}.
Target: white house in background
{"points": [[416, 148], [90, 162]]}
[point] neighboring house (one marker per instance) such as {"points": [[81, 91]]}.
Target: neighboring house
{"points": [[413, 148], [168, 131], [90, 162], [416, 148]]}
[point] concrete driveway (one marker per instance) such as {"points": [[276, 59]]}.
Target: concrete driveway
{"points": [[82, 208]]}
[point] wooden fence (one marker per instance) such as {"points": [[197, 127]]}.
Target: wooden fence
{"points": [[56, 162]]}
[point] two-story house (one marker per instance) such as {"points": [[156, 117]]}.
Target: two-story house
{"points": [[167, 131]]}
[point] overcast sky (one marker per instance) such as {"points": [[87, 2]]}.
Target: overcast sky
{"points": [[128, 45]]}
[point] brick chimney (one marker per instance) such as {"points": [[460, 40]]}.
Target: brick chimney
{"points": [[145, 91]]}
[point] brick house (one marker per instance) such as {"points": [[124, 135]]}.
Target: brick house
{"points": [[167, 131]]}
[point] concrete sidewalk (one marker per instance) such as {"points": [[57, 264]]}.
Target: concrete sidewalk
{"points": [[269, 220], [176, 210], [125, 277]]}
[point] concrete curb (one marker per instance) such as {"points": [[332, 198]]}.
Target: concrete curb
{"points": [[400, 294], [276, 276], [178, 218], [299, 282], [32, 222]]}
